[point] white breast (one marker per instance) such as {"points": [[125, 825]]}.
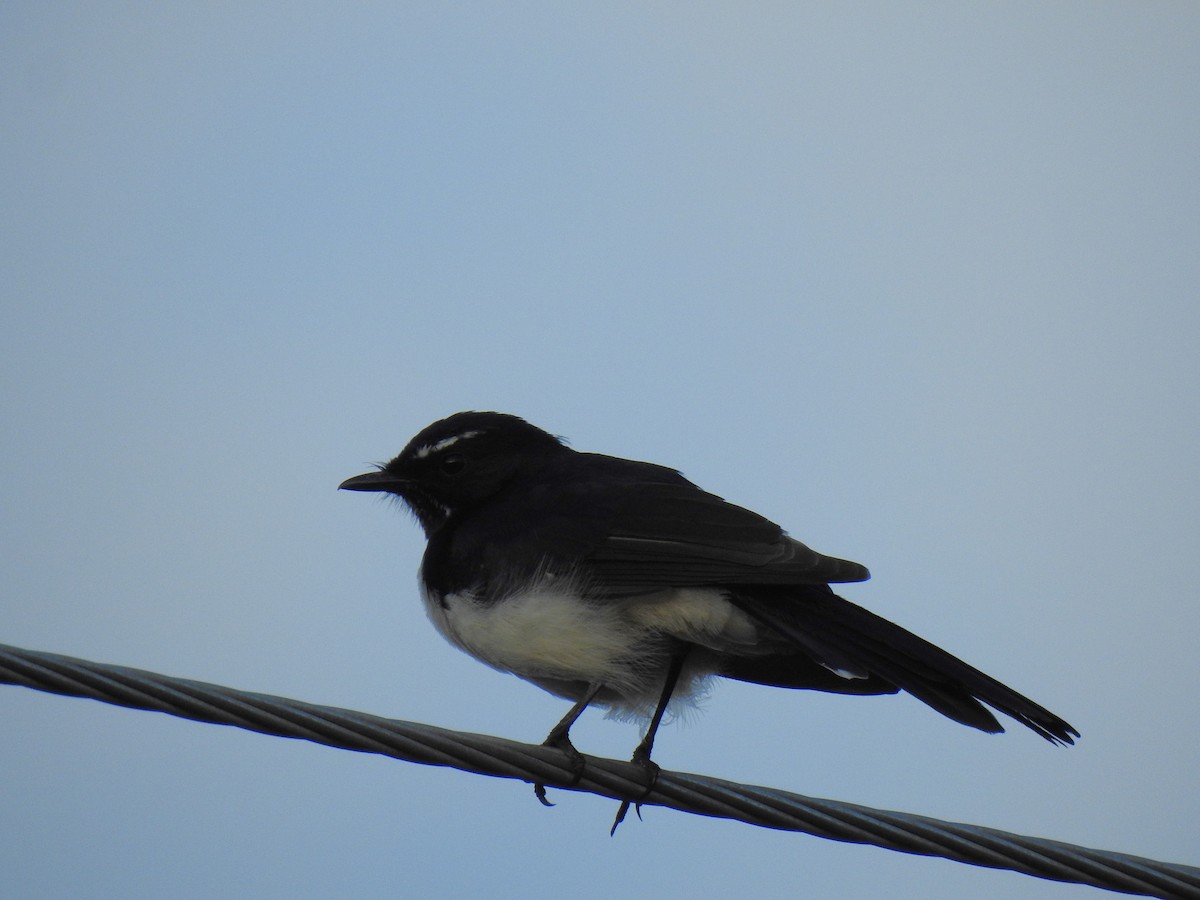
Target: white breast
{"points": [[551, 634]]}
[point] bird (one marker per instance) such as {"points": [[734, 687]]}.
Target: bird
{"points": [[618, 583]]}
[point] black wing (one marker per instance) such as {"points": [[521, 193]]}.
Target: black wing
{"points": [[676, 535]]}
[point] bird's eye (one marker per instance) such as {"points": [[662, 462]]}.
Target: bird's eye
{"points": [[453, 463]]}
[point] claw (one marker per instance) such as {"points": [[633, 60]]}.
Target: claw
{"points": [[641, 756], [621, 817], [575, 761]]}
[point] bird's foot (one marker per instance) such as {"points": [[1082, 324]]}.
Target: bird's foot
{"points": [[575, 762], [641, 756]]}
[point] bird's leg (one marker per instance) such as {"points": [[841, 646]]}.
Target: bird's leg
{"points": [[560, 737], [641, 753]]}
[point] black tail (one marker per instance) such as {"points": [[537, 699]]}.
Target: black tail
{"points": [[882, 656]]}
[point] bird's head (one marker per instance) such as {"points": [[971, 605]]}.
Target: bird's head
{"points": [[458, 462]]}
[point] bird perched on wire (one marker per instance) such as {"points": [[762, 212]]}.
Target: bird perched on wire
{"points": [[620, 583]]}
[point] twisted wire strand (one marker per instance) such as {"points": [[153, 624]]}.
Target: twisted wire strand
{"points": [[487, 755]]}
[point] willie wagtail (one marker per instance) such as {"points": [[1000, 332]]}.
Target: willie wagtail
{"points": [[621, 583]]}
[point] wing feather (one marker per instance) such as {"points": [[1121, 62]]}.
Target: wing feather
{"points": [[676, 535]]}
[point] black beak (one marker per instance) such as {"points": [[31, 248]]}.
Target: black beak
{"points": [[374, 481]]}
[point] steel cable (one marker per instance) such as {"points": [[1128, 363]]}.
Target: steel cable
{"points": [[486, 755]]}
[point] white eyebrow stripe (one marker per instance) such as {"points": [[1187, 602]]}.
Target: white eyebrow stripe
{"points": [[445, 442]]}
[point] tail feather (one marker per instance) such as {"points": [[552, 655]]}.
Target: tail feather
{"points": [[839, 634]]}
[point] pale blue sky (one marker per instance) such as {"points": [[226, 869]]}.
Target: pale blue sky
{"points": [[920, 283]]}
